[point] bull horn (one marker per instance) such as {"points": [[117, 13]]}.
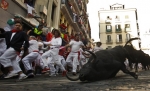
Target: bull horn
{"points": [[71, 79], [131, 40], [93, 54]]}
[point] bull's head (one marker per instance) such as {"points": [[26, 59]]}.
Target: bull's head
{"points": [[129, 49], [87, 71]]}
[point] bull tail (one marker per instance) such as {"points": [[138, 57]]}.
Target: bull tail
{"points": [[129, 41]]}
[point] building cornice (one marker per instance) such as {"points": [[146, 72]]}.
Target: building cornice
{"points": [[119, 10]]}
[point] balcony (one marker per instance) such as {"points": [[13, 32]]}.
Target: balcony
{"points": [[76, 5], [66, 10], [76, 24], [119, 41], [108, 31], [108, 21], [117, 20], [127, 29], [109, 41], [118, 31]]}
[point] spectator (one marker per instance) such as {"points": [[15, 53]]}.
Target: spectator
{"points": [[30, 7], [98, 47], [45, 30], [37, 32]]}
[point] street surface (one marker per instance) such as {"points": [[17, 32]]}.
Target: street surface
{"points": [[45, 83]]}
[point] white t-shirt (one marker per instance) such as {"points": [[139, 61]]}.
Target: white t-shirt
{"points": [[33, 46], [56, 42], [75, 45]]}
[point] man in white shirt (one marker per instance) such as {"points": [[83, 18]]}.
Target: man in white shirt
{"points": [[75, 44], [32, 56], [98, 47], [54, 44]]}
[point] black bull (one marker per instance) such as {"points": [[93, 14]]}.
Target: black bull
{"points": [[105, 64]]}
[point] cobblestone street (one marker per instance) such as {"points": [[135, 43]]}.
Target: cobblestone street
{"points": [[45, 83]]}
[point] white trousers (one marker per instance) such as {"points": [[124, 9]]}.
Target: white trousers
{"points": [[54, 60], [31, 57], [62, 61], [8, 59], [72, 59]]}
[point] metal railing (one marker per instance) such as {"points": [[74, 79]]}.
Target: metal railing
{"points": [[109, 41], [79, 5], [119, 41], [66, 2]]}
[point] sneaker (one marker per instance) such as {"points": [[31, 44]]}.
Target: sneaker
{"points": [[64, 73], [11, 75], [30, 75], [52, 75], [22, 76]]}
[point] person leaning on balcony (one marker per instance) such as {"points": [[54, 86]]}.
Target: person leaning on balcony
{"points": [[36, 31], [30, 7]]}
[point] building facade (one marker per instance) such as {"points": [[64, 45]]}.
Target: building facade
{"points": [[117, 26], [74, 18], [67, 15], [44, 12]]}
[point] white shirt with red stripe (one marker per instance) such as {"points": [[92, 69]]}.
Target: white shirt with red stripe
{"points": [[56, 43], [75, 45], [33, 46]]}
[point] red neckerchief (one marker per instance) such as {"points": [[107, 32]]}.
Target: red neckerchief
{"points": [[14, 31]]}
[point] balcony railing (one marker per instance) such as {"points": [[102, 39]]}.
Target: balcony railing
{"points": [[108, 31], [79, 4], [66, 2], [109, 41], [127, 29], [118, 30], [108, 21], [79, 24], [119, 41]]}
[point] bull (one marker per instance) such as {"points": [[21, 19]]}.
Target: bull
{"points": [[106, 64]]}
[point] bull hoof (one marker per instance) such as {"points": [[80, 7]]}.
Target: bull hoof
{"points": [[136, 76]]}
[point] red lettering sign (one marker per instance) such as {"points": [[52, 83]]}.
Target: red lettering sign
{"points": [[4, 4]]}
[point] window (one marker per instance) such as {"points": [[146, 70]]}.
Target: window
{"points": [[127, 27], [128, 36], [118, 27], [53, 11], [126, 17], [108, 28], [119, 37], [108, 18], [117, 18], [108, 38]]}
